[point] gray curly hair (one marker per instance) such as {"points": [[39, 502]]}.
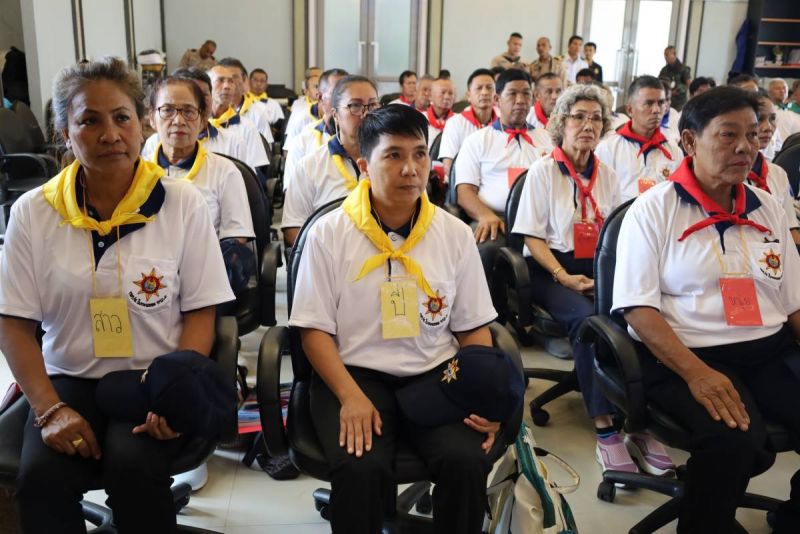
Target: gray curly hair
{"points": [[570, 97]]}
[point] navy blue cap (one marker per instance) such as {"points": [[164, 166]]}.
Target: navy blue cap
{"points": [[190, 391], [478, 380]]}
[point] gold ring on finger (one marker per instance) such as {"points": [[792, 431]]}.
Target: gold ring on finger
{"points": [[77, 442]]}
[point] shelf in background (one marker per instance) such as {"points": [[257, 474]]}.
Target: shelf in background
{"points": [[779, 43], [791, 21]]}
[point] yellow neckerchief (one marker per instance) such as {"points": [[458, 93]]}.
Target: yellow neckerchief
{"points": [[246, 103], [225, 117], [199, 160], [310, 104], [357, 206], [59, 192], [350, 181], [317, 133], [262, 96]]}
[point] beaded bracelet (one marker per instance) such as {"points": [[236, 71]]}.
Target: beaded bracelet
{"points": [[40, 421]]}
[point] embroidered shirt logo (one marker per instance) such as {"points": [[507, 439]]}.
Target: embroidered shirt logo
{"points": [[451, 372], [771, 264], [151, 286], [433, 313]]}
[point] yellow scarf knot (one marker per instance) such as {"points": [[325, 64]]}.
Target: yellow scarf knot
{"points": [[224, 118]]}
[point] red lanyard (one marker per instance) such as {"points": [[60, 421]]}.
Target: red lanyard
{"points": [[686, 178], [657, 140], [585, 190]]}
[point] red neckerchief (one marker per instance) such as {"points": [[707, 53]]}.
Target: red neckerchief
{"points": [[540, 116], [686, 178], [657, 140], [406, 101], [585, 190], [469, 114], [759, 179], [514, 133], [437, 123]]}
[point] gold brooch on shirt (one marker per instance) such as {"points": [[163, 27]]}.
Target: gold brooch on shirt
{"points": [[150, 284], [450, 374], [665, 172]]}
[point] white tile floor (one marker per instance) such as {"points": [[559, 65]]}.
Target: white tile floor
{"points": [[239, 500]]}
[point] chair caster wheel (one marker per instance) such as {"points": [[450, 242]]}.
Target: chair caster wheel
{"points": [[606, 491], [680, 472], [771, 518], [425, 504], [539, 416], [181, 503], [323, 509]]}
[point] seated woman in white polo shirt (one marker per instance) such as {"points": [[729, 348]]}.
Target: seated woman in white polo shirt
{"points": [[105, 236], [706, 278], [359, 361], [330, 171], [563, 204]]}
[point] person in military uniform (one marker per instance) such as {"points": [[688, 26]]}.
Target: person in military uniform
{"points": [[511, 58], [546, 62], [589, 50], [677, 75]]}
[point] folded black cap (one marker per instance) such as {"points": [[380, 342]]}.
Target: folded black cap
{"points": [[190, 391], [477, 380]]}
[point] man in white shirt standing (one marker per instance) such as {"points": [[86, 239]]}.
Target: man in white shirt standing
{"points": [[573, 62]]}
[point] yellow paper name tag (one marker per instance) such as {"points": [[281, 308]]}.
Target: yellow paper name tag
{"points": [[399, 315], [111, 328]]}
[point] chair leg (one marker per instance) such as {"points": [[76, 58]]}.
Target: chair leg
{"points": [[412, 494], [664, 514], [759, 502]]}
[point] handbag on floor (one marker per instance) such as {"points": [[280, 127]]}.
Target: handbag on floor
{"points": [[523, 497]]}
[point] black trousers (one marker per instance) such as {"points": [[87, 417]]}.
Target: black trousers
{"points": [[362, 488], [133, 470], [722, 459]]}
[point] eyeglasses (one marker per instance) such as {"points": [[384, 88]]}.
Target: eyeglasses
{"points": [[359, 109], [581, 118], [169, 112]]}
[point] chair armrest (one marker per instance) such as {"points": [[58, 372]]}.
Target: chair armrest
{"points": [[600, 329], [226, 353], [270, 261], [502, 339], [511, 271], [43, 163], [274, 344]]}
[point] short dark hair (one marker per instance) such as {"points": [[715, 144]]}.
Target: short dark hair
{"points": [[702, 109], [515, 34], [743, 78], [211, 41], [406, 74], [258, 71], [200, 100], [590, 43], [497, 70], [326, 76], [700, 81], [479, 72], [644, 82], [511, 75], [573, 38], [444, 74], [193, 73], [547, 76], [585, 72], [394, 119], [233, 62]]}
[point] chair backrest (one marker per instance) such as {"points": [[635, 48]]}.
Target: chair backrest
{"points": [[14, 138], [460, 106], [792, 140], [452, 196], [605, 260], [514, 242], [789, 160], [385, 99], [27, 117], [437, 142]]}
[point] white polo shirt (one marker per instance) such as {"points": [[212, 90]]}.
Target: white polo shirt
{"points": [[222, 186], [313, 136], [572, 67], [327, 298], [299, 117], [258, 115], [680, 279], [220, 141], [617, 120], [787, 123], [255, 153], [670, 129], [486, 157], [455, 131], [550, 202], [622, 155], [273, 109], [45, 275], [778, 183], [316, 182]]}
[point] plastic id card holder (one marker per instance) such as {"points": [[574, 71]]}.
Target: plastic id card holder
{"points": [[512, 173], [740, 301], [399, 308], [645, 184], [585, 235], [111, 327]]}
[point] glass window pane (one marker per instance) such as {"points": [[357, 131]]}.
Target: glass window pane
{"points": [[392, 50], [652, 35], [341, 30], [607, 24]]}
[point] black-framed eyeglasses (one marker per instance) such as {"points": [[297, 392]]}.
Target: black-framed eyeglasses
{"points": [[169, 112], [581, 118], [358, 109]]}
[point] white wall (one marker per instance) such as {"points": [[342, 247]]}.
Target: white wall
{"points": [[257, 32], [147, 25], [49, 46], [104, 28], [717, 47], [472, 36], [11, 25]]}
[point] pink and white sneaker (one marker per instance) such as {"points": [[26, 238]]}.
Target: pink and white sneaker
{"points": [[650, 454], [612, 455]]}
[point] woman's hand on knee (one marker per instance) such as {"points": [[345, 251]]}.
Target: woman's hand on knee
{"points": [[67, 432], [156, 427], [484, 426], [717, 394], [358, 418]]}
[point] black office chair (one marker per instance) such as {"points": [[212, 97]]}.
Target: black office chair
{"points": [[619, 377], [460, 106], [255, 306], [195, 452], [511, 295], [791, 141], [789, 160], [385, 99], [299, 438], [435, 144]]}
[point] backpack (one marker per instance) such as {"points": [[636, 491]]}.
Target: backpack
{"points": [[523, 498]]}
